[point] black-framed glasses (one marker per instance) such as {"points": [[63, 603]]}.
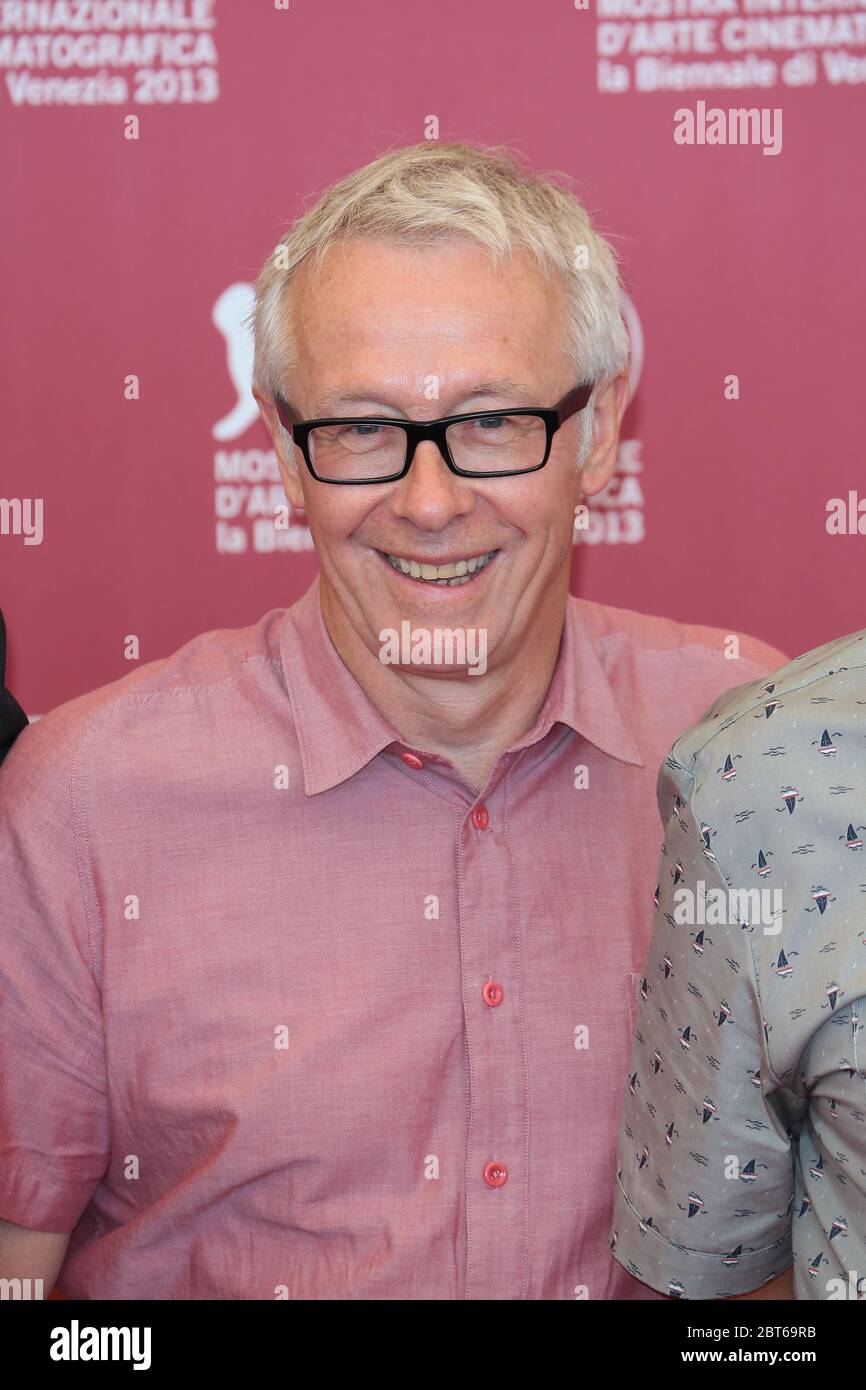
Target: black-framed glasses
{"points": [[357, 449]]}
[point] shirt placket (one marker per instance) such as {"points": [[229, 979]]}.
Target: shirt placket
{"points": [[498, 1133]]}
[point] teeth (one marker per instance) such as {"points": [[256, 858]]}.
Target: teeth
{"points": [[452, 574]]}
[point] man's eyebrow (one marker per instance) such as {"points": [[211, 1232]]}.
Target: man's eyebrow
{"points": [[336, 402]]}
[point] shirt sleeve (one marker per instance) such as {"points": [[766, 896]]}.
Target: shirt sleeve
{"points": [[12, 717], [54, 1131], [705, 1165]]}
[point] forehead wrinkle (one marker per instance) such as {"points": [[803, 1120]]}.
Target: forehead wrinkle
{"points": [[403, 331], [450, 320], [517, 392]]}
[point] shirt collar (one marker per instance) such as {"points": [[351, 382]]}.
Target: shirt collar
{"points": [[581, 694], [340, 730]]}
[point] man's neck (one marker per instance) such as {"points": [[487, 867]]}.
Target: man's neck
{"points": [[470, 720]]}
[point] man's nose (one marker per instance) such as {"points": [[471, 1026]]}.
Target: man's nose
{"points": [[431, 495]]}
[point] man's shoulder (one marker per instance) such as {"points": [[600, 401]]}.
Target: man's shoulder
{"points": [[790, 697], [147, 698], [675, 669], [651, 632]]}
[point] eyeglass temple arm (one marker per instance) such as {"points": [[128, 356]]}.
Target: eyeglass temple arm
{"points": [[575, 400], [287, 414]]}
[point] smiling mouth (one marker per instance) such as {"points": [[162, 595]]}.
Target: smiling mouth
{"points": [[452, 575]]}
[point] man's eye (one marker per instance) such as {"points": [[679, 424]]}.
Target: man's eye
{"points": [[362, 430]]}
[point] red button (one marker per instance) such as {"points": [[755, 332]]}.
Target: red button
{"points": [[412, 760], [495, 1174], [480, 818], [492, 993]]}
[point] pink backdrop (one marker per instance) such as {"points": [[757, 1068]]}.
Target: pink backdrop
{"points": [[136, 257]]}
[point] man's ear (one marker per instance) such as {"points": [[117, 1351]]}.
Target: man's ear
{"points": [[284, 451], [610, 405]]}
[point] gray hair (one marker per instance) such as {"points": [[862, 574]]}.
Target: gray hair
{"points": [[431, 191]]}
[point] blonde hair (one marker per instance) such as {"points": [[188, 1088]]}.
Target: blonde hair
{"points": [[431, 191]]}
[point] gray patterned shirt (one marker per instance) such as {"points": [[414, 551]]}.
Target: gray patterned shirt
{"points": [[743, 1142]]}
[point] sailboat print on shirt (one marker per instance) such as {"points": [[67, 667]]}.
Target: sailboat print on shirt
{"points": [[740, 1032], [826, 744]]}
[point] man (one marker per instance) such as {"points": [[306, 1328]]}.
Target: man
{"points": [[12, 717], [743, 1144], [321, 941]]}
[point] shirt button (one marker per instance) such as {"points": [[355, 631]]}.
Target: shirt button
{"points": [[492, 993], [495, 1174], [412, 760], [480, 818]]}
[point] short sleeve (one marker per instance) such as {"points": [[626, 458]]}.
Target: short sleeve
{"points": [[54, 1132], [705, 1164]]}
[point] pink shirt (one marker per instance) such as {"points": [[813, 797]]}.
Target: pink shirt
{"points": [[287, 1010]]}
